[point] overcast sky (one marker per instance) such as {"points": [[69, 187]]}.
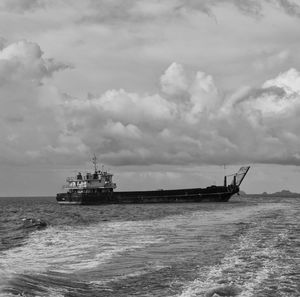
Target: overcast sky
{"points": [[163, 92]]}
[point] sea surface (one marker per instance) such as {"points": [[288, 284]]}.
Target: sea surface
{"points": [[245, 247]]}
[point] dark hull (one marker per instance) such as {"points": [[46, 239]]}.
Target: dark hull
{"points": [[209, 194]]}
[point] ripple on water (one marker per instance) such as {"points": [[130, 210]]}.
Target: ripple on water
{"points": [[263, 262], [144, 257]]}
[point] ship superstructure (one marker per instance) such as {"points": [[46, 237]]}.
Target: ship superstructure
{"points": [[100, 181]]}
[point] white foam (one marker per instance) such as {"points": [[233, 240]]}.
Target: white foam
{"points": [[136, 273], [79, 249], [73, 249], [245, 267]]}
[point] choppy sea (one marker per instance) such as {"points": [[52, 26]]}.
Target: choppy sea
{"points": [[245, 247]]}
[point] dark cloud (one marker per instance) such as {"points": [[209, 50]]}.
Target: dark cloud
{"points": [[14, 119], [259, 92], [290, 7], [3, 42], [250, 7], [21, 6], [128, 11]]}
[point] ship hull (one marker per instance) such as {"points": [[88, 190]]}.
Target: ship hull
{"points": [[209, 194]]}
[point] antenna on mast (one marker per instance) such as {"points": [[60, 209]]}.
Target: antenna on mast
{"points": [[225, 177], [94, 160]]}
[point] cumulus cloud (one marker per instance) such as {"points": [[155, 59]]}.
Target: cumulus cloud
{"points": [[289, 81], [29, 114], [199, 91], [189, 121], [24, 60], [174, 80], [252, 125]]}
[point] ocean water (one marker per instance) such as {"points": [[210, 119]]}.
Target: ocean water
{"points": [[245, 247]]}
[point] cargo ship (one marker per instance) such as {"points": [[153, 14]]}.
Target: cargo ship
{"points": [[98, 188]]}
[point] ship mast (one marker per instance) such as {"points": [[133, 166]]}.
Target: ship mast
{"points": [[94, 160]]}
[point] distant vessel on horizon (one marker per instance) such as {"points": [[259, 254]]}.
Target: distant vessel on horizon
{"points": [[98, 188]]}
